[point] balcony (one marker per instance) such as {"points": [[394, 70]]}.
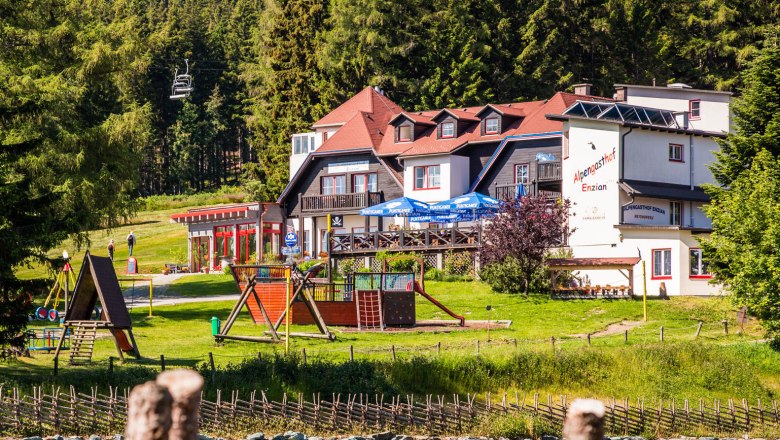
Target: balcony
{"points": [[548, 171], [338, 202], [508, 191], [415, 239]]}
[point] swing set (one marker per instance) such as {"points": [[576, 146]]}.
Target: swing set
{"points": [[64, 277]]}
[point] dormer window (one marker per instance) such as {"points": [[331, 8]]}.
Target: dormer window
{"points": [[303, 143], [447, 130], [491, 126], [405, 133]]}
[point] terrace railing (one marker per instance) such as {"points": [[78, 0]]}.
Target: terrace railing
{"points": [[508, 191], [414, 239], [548, 171], [336, 202]]}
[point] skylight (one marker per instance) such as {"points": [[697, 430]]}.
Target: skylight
{"points": [[621, 112]]}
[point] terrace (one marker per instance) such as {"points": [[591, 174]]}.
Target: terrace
{"points": [[338, 202], [466, 237]]}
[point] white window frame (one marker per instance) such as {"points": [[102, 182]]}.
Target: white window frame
{"points": [[676, 152], [700, 271], [675, 213], [334, 188], [662, 264], [401, 138], [450, 127], [694, 114], [527, 177], [487, 124]]}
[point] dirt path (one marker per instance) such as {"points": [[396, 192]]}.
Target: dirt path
{"points": [[612, 329], [161, 294]]}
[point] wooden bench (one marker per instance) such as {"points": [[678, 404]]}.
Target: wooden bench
{"points": [[172, 267]]}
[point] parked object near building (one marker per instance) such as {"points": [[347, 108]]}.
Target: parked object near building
{"points": [[226, 234]]}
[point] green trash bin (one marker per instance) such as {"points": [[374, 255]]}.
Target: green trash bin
{"points": [[215, 326]]}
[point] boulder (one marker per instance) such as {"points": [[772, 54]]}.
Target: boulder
{"points": [[256, 436], [387, 435]]}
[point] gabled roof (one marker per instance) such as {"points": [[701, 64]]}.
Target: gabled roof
{"points": [[507, 110], [418, 118], [461, 115], [367, 100]]}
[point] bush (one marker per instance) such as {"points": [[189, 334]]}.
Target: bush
{"points": [[503, 277], [346, 266], [459, 263], [400, 261], [305, 265], [227, 271], [225, 194], [434, 274]]}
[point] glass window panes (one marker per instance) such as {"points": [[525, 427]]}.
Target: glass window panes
{"points": [[522, 173], [695, 109], [698, 266], [662, 262], [448, 129], [311, 143], [419, 177], [296, 145], [674, 213], [433, 176], [405, 133], [491, 125], [675, 152]]}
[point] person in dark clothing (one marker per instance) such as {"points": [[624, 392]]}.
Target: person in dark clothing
{"points": [[130, 243]]}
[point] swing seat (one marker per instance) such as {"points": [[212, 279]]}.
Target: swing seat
{"points": [[41, 314]]}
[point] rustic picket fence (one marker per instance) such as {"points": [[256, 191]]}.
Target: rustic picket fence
{"points": [[82, 413]]}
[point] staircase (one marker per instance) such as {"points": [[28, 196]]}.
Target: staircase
{"points": [[82, 341]]}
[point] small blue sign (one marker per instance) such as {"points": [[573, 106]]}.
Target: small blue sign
{"points": [[291, 239]]}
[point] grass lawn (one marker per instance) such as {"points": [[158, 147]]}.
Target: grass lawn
{"points": [[682, 366]]}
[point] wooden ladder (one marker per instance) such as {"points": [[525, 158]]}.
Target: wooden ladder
{"points": [[82, 341]]}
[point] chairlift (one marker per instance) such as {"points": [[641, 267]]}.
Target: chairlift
{"points": [[182, 84]]}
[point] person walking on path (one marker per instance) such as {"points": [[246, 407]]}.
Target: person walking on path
{"points": [[111, 249], [130, 243]]}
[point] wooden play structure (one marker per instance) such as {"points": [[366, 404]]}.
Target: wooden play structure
{"points": [[269, 293], [367, 300], [96, 285]]}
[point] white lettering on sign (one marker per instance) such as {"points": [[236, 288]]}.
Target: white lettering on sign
{"points": [[348, 167]]}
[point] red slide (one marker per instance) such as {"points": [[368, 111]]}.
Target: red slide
{"points": [[418, 289], [121, 338]]}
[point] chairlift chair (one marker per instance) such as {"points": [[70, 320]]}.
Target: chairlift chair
{"points": [[182, 84]]}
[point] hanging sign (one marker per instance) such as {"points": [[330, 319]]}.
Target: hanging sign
{"points": [[336, 221], [291, 239]]}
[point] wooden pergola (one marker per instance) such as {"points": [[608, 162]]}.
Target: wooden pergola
{"points": [[624, 265]]}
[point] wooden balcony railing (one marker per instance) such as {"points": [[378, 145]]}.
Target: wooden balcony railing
{"points": [[414, 239], [548, 171], [508, 191], [339, 202]]}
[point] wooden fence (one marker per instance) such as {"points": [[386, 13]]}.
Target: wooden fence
{"points": [[80, 413]]}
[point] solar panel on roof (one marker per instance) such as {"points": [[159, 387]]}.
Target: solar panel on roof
{"points": [[624, 113]]}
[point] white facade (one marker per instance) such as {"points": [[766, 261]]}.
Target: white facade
{"points": [[302, 145], [453, 177], [636, 191]]}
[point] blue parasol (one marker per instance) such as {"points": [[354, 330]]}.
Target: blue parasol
{"points": [[400, 207]]}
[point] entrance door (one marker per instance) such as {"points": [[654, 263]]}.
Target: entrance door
{"points": [[200, 253]]}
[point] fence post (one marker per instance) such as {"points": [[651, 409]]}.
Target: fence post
{"points": [[698, 329], [725, 327], [303, 355], [162, 362], [515, 341], [552, 342], [351, 353], [662, 333], [110, 364], [477, 346], [211, 364], [625, 337], [438, 348], [56, 365], [392, 348], [589, 339]]}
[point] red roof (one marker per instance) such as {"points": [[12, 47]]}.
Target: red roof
{"points": [[367, 100], [214, 213]]}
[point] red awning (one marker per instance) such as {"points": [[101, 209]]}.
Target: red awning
{"points": [[211, 214]]}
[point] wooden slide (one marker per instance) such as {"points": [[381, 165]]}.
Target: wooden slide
{"points": [[419, 289]]}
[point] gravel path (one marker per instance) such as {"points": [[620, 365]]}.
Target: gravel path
{"points": [[161, 294]]}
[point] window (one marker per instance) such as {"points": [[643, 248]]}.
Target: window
{"points": [[364, 182], [675, 213], [676, 152], [324, 136], [427, 177], [300, 144], [521, 173], [695, 109], [405, 133], [223, 243], [662, 264], [698, 266], [334, 185], [307, 240], [491, 126], [448, 130], [311, 143]]}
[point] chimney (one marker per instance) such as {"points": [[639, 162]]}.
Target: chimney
{"points": [[582, 89], [620, 94], [379, 90]]}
